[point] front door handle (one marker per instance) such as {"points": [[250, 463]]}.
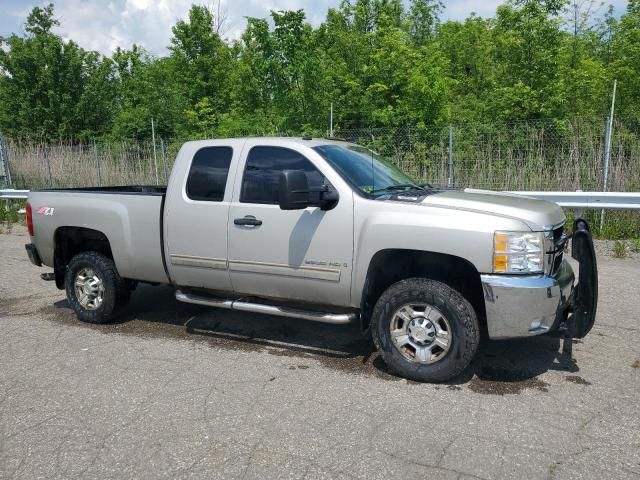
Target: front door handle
{"points": [[247, 220]]}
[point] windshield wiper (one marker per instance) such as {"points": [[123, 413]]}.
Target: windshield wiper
{"points": [[401, 186]]}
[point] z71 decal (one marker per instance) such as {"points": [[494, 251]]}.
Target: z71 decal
{"points": [[45, 211]]}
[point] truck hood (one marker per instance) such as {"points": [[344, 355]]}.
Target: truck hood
{"points": [[537, 214]]}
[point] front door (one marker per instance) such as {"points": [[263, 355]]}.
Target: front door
{"points": [[296, 254]]}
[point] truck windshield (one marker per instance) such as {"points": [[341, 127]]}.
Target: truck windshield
{"points": [[367, 171]]}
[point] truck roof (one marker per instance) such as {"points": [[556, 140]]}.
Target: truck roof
{"points": [[308, 141]]}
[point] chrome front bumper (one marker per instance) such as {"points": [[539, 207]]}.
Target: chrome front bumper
{"points": [[525, 305]]}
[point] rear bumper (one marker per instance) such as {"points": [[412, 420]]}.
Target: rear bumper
{"points": [[33, 254], [521, 306]]}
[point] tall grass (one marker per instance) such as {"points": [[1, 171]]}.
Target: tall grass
{"points": [[70, 164]]}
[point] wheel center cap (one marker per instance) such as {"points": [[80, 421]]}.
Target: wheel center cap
{"points": [[420, 333], [422, 330]]}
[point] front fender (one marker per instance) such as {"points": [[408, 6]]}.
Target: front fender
{"points": [[468, 235]]}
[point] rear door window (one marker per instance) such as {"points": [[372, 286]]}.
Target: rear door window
{"points": [[208, 174]]}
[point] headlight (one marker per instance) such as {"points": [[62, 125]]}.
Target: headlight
{"points": [[518, 252]]}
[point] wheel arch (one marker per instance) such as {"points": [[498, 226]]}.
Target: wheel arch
{"points": [[70, 241], [389, 266]]}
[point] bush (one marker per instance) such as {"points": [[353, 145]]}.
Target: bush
{"points": [[9, 212]]}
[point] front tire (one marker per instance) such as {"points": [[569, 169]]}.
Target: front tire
{"points": [[94, 288], [425, 330]]}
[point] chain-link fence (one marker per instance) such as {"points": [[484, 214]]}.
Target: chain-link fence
{"points": [[519, 156], [532, 155]]}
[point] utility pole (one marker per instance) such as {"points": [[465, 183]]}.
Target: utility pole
{"points": [[607, 147]]}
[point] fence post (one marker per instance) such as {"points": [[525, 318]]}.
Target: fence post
{"points": [[450, 180], [7, 164], [95, 151], [155, 158], [331, 122], [607, 148], [4, 160], [578, 212], [46, 159], [164, 161]]}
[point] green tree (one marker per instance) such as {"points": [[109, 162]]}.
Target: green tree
{"points": [[146, 89], [50, 87], [528, 39], [625, 64], [423, 19], [377, 63], [470, 67], [202, 64]]}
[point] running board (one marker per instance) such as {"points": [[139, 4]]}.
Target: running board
{"points": [[244, 306]]}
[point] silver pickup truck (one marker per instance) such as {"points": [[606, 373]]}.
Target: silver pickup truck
{"points": [[328, 231]]}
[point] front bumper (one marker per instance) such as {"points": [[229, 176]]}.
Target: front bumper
{"points": [[525, 305], [521, 306]]}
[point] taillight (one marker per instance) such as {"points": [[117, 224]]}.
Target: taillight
{"points": [[29, 219]]}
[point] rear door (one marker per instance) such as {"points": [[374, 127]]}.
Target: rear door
{"points": [[196, 215], [296, 254]]}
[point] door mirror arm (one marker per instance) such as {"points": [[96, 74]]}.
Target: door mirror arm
{"points": [[328, 198]]}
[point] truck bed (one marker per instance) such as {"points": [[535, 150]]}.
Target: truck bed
{"points": [[129, 216]]}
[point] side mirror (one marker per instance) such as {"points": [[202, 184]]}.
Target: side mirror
{"points": [[294, 190]]}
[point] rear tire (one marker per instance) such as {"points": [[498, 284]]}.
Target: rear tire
{"points": [[95, 290], [425, 330]]}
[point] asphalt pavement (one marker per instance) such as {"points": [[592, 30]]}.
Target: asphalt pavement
{"points": [[181, 391]]}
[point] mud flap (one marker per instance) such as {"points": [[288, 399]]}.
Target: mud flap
{"points": [[585, 300]]}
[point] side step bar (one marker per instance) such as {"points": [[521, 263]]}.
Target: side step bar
{"points": [[244, 306]]}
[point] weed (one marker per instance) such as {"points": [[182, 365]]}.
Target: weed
{"points": [[620, 249], [635, 245], [10, 212]]}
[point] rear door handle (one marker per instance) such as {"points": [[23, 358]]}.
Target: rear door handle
{"points": [[247, 220]]}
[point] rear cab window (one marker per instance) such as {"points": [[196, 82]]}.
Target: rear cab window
{"points": [[208, 174]]}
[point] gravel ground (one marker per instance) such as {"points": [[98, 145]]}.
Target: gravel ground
{"points": [[606, 248], [180, 391]]}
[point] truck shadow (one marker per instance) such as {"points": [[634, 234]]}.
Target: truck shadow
{"points": [[500, 367]]}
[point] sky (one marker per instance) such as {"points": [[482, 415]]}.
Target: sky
{"points": [[103, 25]]}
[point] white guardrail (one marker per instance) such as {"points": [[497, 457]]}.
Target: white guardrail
{"points": [[580, 200], [14, 194]]}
